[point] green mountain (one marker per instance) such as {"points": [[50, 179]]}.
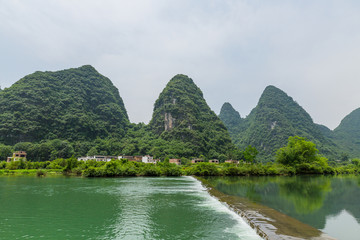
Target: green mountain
{"points": [[347, 134], [230, 117], [73, 104], [269, 125], [182, 114]]}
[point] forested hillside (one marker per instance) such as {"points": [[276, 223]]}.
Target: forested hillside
{"points": [[347, 134], [231, 118], [73, 104], [269, 125], [181, 113], [80, 112]]}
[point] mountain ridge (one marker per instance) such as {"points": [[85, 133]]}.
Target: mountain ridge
{"points": [[275, 118], [73, 104], [181, 113]]}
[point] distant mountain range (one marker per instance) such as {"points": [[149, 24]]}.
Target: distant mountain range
{"points": [[277, 117], [80, 104]]}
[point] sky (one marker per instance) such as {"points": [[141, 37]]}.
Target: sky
{"points": [[232, 49]]}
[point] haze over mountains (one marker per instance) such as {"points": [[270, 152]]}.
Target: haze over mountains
{"points": [[80, 104]]}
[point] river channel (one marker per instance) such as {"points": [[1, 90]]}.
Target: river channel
{"points": [[114, 208]]}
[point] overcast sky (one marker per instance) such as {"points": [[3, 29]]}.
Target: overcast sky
{"points": [[231, 49]]}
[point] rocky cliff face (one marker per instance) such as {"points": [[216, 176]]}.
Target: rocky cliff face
{"points": [[169, 121]]}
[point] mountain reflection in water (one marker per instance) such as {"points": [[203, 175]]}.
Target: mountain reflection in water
{"points": [[314, 200]]}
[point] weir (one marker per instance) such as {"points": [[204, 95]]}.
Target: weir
{"points": [[267, 222]]}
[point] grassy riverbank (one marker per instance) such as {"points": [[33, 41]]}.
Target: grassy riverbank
{"points": [[124, 168]]}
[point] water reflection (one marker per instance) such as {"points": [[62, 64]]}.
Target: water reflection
{"points": [[311, 199], [307, 194]]}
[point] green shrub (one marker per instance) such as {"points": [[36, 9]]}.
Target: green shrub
{"points": [[150, 170], [93, 172], [171, 170], [41, 173], [78, 171], [205, 169], [2, 165], [232, 171], [129, 171], [307, 168]]}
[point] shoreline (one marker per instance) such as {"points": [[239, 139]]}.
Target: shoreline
{"points": [[267, 222]]}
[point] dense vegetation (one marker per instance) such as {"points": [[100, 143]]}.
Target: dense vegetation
{"points": [[124, 168], [347, 134], [74, 104], [275, 118], [298, 157], [77, 112], [230, 117], [303, 156], [181, 114]]}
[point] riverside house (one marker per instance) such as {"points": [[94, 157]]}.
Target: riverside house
{"points": [[149, 159], [131, 158], [98, 158], [197, 160], [101, 158], [214, 161], [175, 160], [232, 161], [17, 156]]}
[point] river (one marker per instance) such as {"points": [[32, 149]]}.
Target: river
{"points": [[114, 208], [329, 204]]}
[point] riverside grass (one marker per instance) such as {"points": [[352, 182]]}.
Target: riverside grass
{"points": [[124, 168]]}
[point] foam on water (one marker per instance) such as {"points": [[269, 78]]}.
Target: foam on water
{"points": [[138, 222]]}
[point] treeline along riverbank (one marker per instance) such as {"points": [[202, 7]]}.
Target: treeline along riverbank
{"points": [[124, 168]]}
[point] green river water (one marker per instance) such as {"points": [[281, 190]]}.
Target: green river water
{"points": [[114, 208], [328, 203]]}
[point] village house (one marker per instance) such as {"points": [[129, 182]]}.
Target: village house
{"points": [[197, 160], [175, 160], [138, 158], [17, 156], [214, 161], [149, 159], [232, 161], [98, 158], [131, 158]]}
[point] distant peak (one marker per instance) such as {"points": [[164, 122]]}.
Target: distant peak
{"points": [[182, 78], [273, 91], [272, 88], [229, 115], [227, 107], [87, 68]]}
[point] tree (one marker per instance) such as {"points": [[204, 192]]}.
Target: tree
{"points": [[5, 151], [250, 153], [356, 162], [298, 151]]}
